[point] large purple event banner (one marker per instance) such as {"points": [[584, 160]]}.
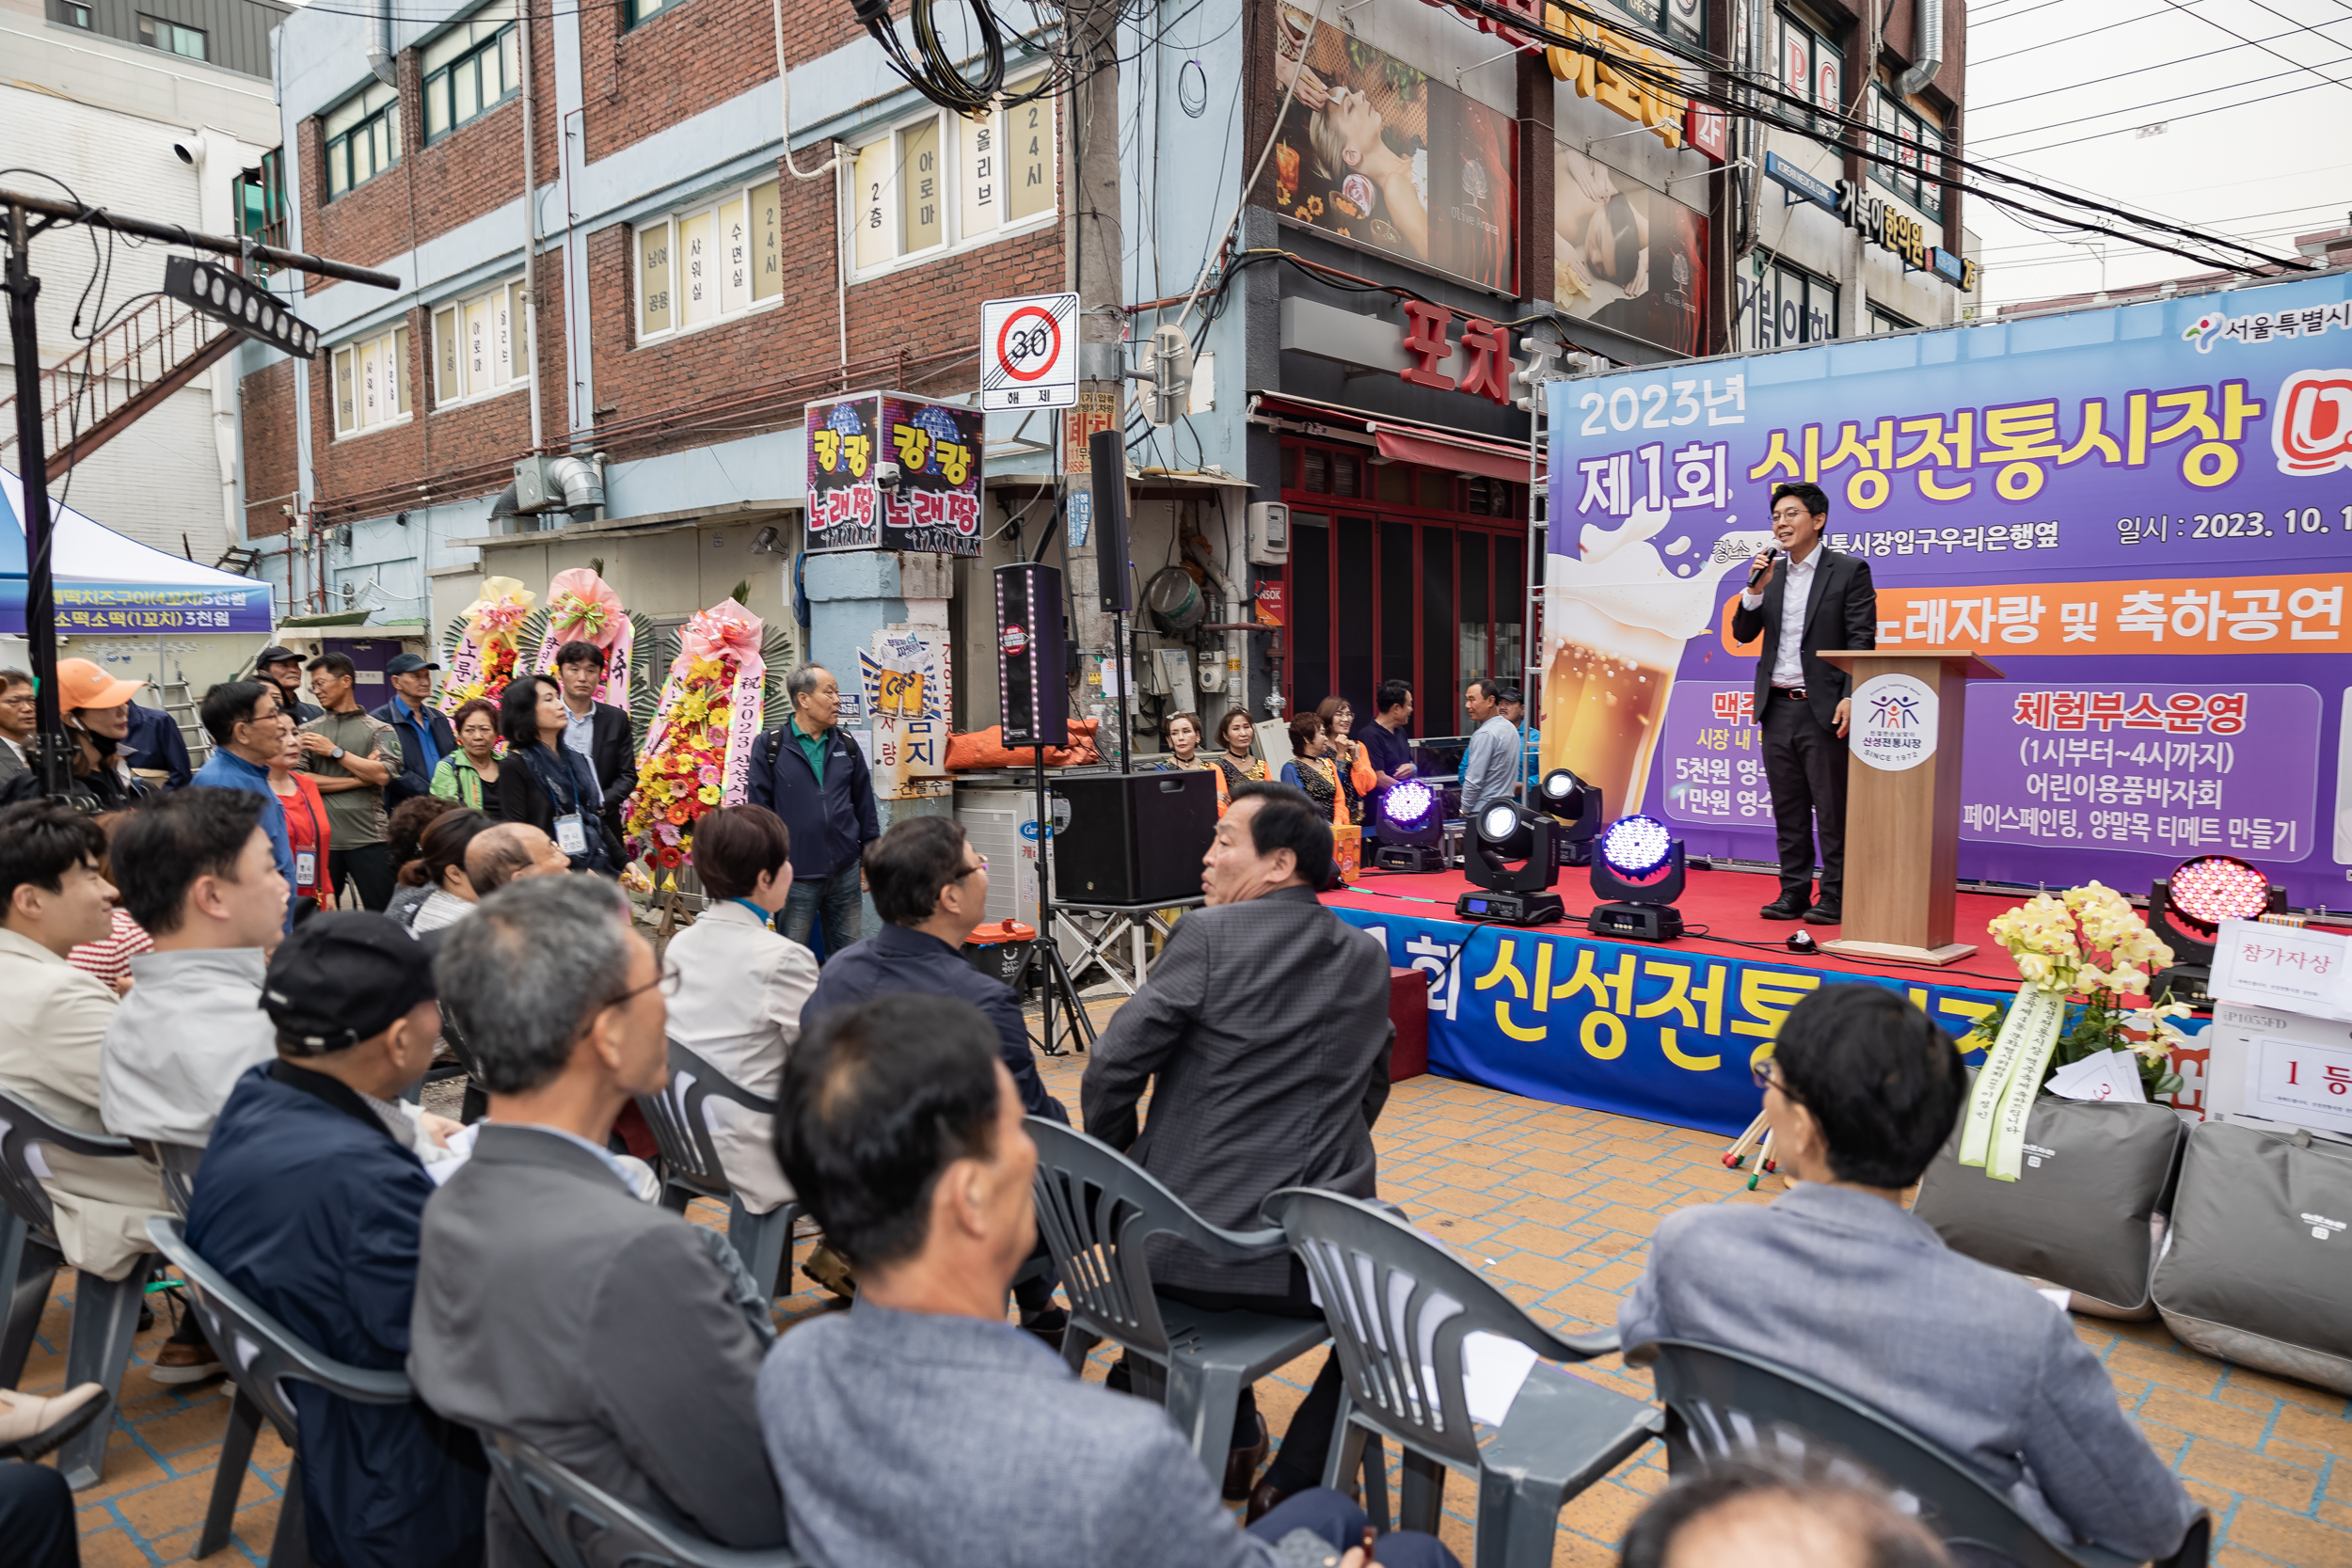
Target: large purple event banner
{"points": [[2141, 515]]}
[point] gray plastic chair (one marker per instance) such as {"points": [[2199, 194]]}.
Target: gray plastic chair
{"points": [[1096, 1209], [106, 1311], [177, 1162], [690, 1168], [1384, 1289], [1722, 1403], [263, 1355], [577, 1524]]}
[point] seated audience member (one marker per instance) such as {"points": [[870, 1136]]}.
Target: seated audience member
{"points": [[1768, 1513], [52, 897], [196, 870], [930, 888], [1265, 1025], [309, 1202], [439, 866], [18, 719], [741, 988], [97, 716], [404, 838], [36, 1517], [1834, 1279], [109, 957], [901, 1129], [508, 851], [551, 1302]]}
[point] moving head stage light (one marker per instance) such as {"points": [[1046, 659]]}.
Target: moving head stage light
{"points": [[1409, 824], [1504, 831], [2187, 908], [1576, 806], [1638, 865]]}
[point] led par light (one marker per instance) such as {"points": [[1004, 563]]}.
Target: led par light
{"points": [[239, 303], [1637, 866], [1410, 821], [2187, 908], [1520, 895], [1575, 806]]}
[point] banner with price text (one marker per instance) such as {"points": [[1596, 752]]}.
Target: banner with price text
{"points": [[2144, 514]]}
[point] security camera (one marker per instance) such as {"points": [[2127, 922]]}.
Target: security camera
{"points": [[887, 475]]}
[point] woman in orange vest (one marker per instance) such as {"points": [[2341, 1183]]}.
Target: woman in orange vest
{"points": [[1183, 731], [1312, 769], [1234, 765], [1357, 778]]}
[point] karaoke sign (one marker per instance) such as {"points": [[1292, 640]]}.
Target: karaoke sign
{"points": [[2141, 515]]}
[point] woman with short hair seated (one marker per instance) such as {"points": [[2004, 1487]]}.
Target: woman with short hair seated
{"points": [[1836, 1280], [440, 869], [741, 987]]}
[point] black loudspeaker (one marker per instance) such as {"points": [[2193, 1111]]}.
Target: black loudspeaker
{"points": [[1106, 454], [1029, 655], [1133, 838]]}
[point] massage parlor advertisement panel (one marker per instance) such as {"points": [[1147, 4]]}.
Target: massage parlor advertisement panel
{"points": [[2142, 515]]}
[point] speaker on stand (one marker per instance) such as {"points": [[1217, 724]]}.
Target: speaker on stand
{"points": [[1030, 649]]}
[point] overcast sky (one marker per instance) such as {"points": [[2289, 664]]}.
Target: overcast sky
{"points": [[2253, 144]]}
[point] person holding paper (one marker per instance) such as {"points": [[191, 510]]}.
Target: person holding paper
{"points": [[1834, 1279]]}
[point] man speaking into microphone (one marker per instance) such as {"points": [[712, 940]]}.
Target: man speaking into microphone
{"points": [[1803, 598]]}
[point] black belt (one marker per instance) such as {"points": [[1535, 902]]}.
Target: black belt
{"points": [[1797, 691]]}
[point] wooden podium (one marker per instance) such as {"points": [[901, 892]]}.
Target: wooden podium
{"points": [[1902, 811]]}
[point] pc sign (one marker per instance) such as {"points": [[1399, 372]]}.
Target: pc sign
{"points": [[1029, 352]]}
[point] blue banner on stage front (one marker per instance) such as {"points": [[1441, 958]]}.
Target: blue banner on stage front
{"points": [[1665, 1034]]}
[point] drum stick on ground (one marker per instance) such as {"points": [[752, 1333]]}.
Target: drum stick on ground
{"points": [[1763, 1162], [1739, 1149]]}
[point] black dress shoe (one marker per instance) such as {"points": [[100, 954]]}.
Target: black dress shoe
{"points": [[1240, 1464], [1264, 1500], [1825, 914], [1784, 908], [1049, 1324]]}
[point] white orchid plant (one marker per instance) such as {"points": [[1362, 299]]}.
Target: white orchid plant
{"points": [[2090, 940]]}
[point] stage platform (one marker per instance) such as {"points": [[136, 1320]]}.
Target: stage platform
{"points": [[1664, 1031]]}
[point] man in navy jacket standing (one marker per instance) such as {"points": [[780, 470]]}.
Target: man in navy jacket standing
{"points": [[311, 1202], [425, 736], [816, 779]]}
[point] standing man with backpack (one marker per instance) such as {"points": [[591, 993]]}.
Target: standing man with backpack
{"points": [[815, 778]]}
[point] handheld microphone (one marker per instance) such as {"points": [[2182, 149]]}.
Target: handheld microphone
{"points": [[1763, 568]]}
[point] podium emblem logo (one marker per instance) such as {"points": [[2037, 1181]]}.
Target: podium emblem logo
{"points": [[1894, 722]]}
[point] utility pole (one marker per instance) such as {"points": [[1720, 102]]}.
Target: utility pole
{"points": [[1097, 257]]}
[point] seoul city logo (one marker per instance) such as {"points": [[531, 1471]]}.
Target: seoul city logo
{"points": [[2311, 433]]}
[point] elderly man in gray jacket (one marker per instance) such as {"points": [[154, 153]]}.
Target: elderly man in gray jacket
{"points": [[922, 1426], [1835, 1280], [1265, 1025]]}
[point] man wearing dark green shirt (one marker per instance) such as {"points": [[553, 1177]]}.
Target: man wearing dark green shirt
{"points": [[352, 755]]}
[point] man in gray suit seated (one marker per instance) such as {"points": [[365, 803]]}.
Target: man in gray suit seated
{"points": [[1265, 1024], [1835, 1280], [552, 1302], [921, 1426]]}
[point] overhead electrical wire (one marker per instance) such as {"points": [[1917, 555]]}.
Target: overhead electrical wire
{"points": [[2141, 71], [2046, 44], [2193, 114], [2140, 109]]}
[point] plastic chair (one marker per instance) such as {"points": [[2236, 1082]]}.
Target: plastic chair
{"points": [[1721, 1403], [265, 1355], [1399, 1307], [1096, 1209], [106, 1311], [578, 1524], [177, 1164], [691, 1167], [477, 1100]]}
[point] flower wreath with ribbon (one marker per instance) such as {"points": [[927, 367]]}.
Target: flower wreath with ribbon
{"points": [[486, 656], [697, 753], [582, 607]]}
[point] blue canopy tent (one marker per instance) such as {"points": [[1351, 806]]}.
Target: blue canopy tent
{"points": [[106, 583]]}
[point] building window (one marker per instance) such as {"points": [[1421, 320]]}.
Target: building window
{"points": [[481, 346], [635, 12], [471, 70], [1784, 304], [74, 15], [1811, 63], [362, 135], [1918, 148], [259, 196], [372, 383], [943, 182], [171, 37], [1887, 321], [708, 264]]}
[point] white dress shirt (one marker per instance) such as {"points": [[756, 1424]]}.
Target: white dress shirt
{"points": [[1796, 590], [740, 990], [580, 735]]}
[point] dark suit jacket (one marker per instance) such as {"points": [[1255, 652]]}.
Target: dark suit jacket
{"points": [[612, 747], [553, 1305], [311, 1207], [1266, 1025], [1843, 612], [521, 799], [899, 958]]}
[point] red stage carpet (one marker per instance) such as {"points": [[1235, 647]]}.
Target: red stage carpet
{"points": [[1723, 904]]}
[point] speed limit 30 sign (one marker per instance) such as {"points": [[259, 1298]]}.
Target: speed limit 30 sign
{"points": [[1029, 352]]}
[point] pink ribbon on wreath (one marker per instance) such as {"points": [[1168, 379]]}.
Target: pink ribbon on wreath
{"points": [[583, 607], [726, 628]]}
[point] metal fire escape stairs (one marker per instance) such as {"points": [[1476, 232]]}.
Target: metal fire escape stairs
{"points": [[131, 369]]}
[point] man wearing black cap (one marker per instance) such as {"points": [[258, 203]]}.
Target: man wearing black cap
{"points": [[425, 736], [310, 1200], [282, 668]]}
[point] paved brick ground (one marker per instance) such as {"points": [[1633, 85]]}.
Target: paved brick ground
{"points": [[1557, 1204]]}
